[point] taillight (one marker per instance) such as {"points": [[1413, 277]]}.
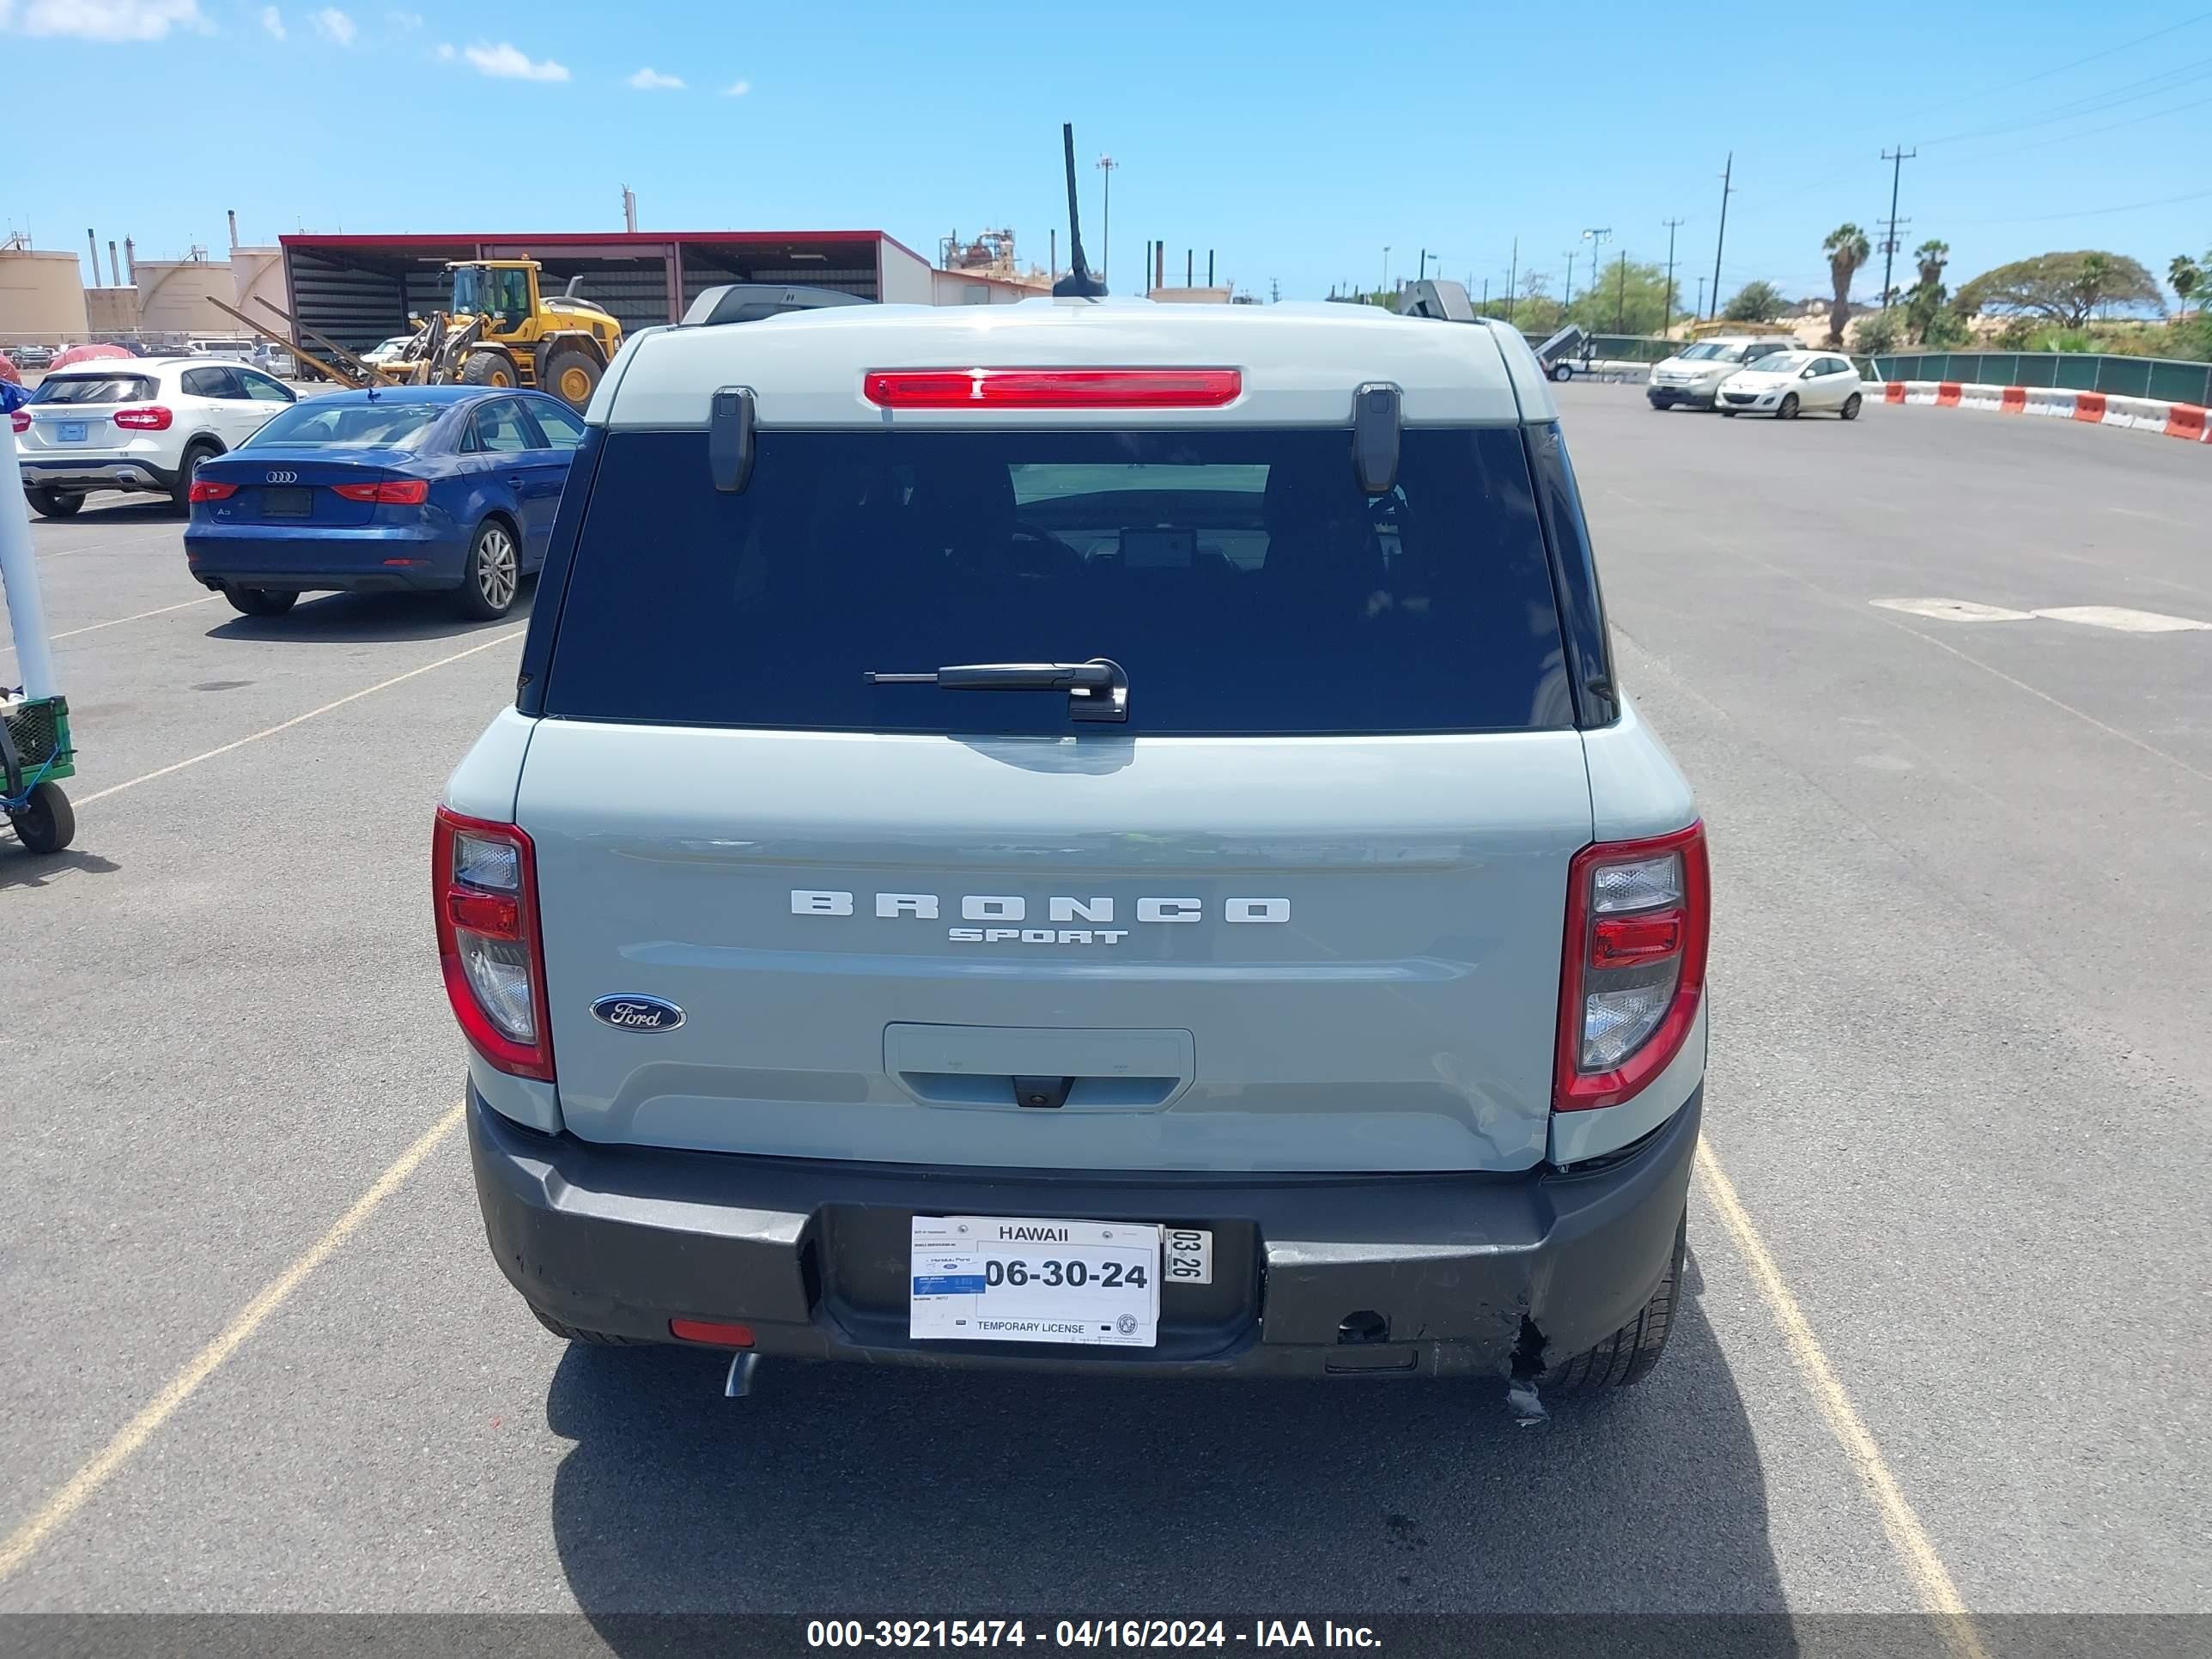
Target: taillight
{"points": [[1639, 914], [1052, 388], [207, 490], [152, 418], [484, 876], [397, 492], [19, 421]]}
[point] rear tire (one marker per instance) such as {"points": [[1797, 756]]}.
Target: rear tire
{"points": [[1626, 1358], [53, 503], [47, 822], [592, 1339], [181, 492], [572, 374], [260, 601], [492, 574], [1788, 411], [1852, 404], [1563, 372], [487, 369]]}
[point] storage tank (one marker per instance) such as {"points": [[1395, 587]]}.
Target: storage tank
{"points": [[173, 296], [41, 297], [112, 311], [258, 273]]}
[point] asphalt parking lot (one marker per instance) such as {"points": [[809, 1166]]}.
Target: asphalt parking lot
{"points": [[1947, 1342]]}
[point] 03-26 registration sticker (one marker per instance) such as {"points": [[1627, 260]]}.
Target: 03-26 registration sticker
{"points": [[1001, 1278]]}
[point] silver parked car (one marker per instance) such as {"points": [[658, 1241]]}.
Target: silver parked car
{"points": [[998, 860]]}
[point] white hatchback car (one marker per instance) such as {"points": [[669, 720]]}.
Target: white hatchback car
{"points": [[1792, 383], [137, 423]]}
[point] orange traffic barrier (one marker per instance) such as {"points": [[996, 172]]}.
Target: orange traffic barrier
{"points": [[1893, 393], [2015, 401], [2090, 406], [1947, 394], [2186, 421]]}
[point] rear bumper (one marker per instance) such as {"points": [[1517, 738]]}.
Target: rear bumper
{"points": [[341, 558], [1463, 1270], [1665, 396], [75, 474]]}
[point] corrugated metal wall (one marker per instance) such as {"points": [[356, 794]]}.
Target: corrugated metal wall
{"points": [[356, 306], [636, 291]]}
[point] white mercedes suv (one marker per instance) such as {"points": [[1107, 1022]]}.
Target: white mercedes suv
{"points": [[137, 423]]}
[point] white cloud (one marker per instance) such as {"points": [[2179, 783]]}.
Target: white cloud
{"points": [[108, 20], [737, 88], [406, 22], [446, 53], [273, 21], [647, 80], [334, 25], [506, 62]]}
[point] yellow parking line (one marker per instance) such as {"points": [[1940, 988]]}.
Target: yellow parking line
{"points": [[80, 1488], [1931, 1579], [286, 726]]}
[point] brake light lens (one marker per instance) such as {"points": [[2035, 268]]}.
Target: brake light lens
{"points": [[153, 418], [1052, 388], [484, 878], [207, 490], [396, 492], [19, 421], [1633, 974]]}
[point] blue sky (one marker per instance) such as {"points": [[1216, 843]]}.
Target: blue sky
{"points": [[1297, 140]]}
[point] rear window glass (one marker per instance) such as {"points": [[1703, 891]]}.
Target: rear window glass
{"points": [[93, 389], [1241, 577], [360, 426]]}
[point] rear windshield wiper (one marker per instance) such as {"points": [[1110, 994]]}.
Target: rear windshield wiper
{"points": [[1096, 690]]}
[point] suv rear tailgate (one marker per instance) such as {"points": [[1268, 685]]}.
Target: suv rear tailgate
{"points": [[1350, 960]]}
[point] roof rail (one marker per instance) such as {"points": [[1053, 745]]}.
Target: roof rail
{"points": [[748, 302]]}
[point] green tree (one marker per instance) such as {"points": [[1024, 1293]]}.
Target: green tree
{"points": [[1923, 306], [2065, 288], [2184, 276], [1625, 297], [1879, 334], [1847, 249], [1755, 302]]}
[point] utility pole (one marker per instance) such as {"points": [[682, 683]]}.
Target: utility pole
{"points": [[1666, 310], [1720, 242], [1700, 307], [1385, 289], [1274, 290], [1620, 296], [1107, 165], [1512, 278], [1898, 158], [1568, 303]]}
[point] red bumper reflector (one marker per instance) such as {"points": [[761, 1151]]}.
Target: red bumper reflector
{"points": [[407, 562], [1052, 388], [713, 1331]]}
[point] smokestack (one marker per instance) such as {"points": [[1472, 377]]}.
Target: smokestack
{"points": [[1186, 267], [629, 208], [1160, 263], [234, 229], [1209, 267], [92, 246], [1052, 271], [113, 269], [130, 259]]}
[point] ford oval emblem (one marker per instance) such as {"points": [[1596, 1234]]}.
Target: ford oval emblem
{"points": [[637, 1014]]}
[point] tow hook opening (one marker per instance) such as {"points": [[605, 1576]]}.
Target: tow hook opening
{"points": [[1364, 1326], [1528, 1353]]}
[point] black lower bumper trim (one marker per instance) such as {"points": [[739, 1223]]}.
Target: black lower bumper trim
{"points": [[1314, 1274]]}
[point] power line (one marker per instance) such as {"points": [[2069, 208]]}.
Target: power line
{"points": [[2092, 104], [2061, 69], [2093, 213], [2113, 126]]}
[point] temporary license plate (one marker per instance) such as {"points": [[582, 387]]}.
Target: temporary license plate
{"points": [[70, 432], [1002, 1278], [288, 503]]}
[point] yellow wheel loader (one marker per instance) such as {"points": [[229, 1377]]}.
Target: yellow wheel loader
{"points": [[500, 331]]}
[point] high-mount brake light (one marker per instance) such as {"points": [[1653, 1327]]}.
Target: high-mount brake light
{"points": [[1634, 972], [392, 492], [483, 877], [1052, 388]]}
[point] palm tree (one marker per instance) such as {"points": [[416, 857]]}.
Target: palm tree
{"points": [[1931, 256], [1847, 249], [1927, 294], [2185, 274]]}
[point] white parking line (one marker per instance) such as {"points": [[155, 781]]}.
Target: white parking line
{"points": [[2119, 617], [296, 720], [169, 535], [1960, 611], [117, 621]]}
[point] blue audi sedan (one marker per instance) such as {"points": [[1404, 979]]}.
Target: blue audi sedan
{"points": [[446, 489]]}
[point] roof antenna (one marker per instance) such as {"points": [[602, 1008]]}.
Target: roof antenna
{"points": [[1078, 283]]}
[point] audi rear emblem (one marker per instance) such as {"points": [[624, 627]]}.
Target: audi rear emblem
{"points": [[281, 477]]}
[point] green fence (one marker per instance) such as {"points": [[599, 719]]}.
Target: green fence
{"points": [[1623, 348], [2162, 378]]}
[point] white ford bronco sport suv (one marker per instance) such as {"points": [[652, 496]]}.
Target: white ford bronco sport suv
{"points": [[1082, 834]]}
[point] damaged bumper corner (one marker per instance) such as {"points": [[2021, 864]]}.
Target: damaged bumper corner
{"points": [[1314, 1275]]}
